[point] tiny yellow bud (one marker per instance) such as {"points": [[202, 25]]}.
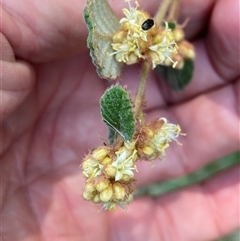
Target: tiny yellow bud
{"points": [[157, 39], [147, 150], [186, 50], [102, 184], [87, 195], [106, 194], [119, 191], [99, 153], [107, 160], [118, 37], [132, 59], [96, 199], [126, 178], [90, 187], [178, 34], [126, 26], [110, 171]]}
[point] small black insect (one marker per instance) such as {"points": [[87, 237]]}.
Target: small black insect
{"points": [[147, 24]]}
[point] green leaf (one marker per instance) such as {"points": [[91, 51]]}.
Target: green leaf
{"points": [[171, 25], [177, 79], [117, 113], [102, 24]]}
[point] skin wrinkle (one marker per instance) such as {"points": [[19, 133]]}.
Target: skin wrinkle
{"points": [[213, 64], [212, 203], [30, 25], [19, 190], [236, 93], [34, 209], [171, 216], [17, 44], [72, 211], [168, 218]]}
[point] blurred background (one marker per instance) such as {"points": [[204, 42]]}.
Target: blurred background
{"points": [[208, 171]]}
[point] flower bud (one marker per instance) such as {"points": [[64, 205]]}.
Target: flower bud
{"points": [[102, 184], [90, 187], [107, 160], [87, 195], [126, 177], [147, 150], [157, 39], [126, 26], [110, 171], [132, 59], [96, 199], [186, 50], [119, 191], [106, 194], [178, 34], [99, 153], [118, 37]]}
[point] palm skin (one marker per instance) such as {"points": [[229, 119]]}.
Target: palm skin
{"points": [[50, 119]]}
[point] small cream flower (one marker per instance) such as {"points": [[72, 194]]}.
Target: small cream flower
{"points": [[125, 49], [133, 43], [164, 49], [91, 167], [165, 135], [124, 164]]}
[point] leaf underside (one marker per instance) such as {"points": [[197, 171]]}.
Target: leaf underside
{"points": [[175, 78], [117, 113], [102, 23]]}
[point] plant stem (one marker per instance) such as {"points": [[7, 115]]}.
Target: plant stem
{"points": [[161, 14], [174, 10], [141, 90], [162, 11]]}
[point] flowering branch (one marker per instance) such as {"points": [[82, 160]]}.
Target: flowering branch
{"points": [[137, 37], [141, 90]]}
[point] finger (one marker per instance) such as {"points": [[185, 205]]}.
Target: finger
{"points": [[201, 212], [211, 123], [198, 13], [43, 32], [223, 39]]}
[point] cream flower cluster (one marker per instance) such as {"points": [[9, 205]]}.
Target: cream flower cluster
{"points": [[109, 170], [110, 175], [133, 42], [156, 137]]}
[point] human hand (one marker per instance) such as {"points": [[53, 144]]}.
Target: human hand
{"points": [[50, 119]]}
